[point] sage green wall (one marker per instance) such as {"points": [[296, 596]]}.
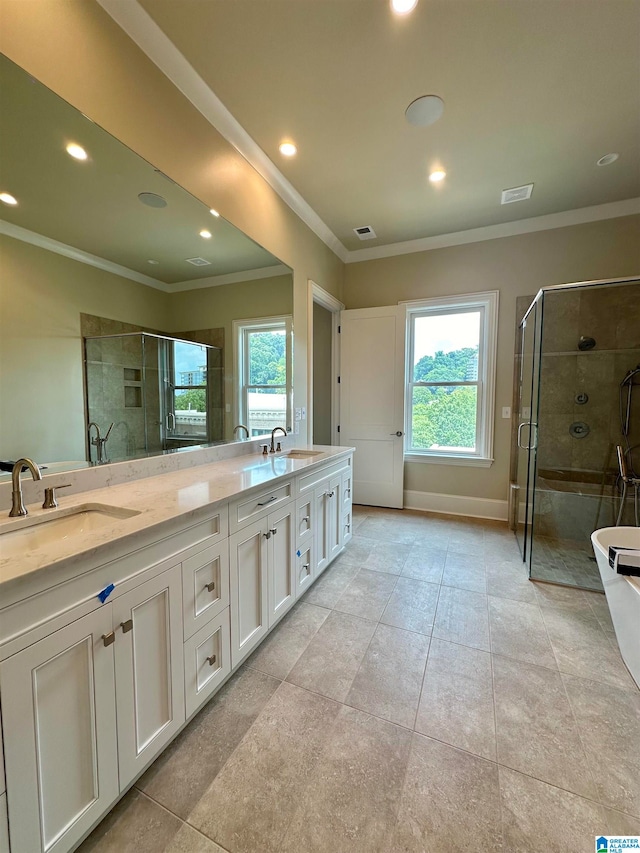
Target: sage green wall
{"points": [[218, 307], [514, 266]]}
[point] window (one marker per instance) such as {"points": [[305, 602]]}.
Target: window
{"points": [[263, 354], [451, 346]]}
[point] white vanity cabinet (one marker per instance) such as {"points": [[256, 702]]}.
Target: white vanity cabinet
{"points": [[59, 723]]}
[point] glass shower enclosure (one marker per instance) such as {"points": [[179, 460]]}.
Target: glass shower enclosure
{"points": [[577, 426], [148, 393]]}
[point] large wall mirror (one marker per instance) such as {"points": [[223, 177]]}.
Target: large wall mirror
{"points": [[103, 244]]}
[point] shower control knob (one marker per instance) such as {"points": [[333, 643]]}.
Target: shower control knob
{"points": [[581, 399]]}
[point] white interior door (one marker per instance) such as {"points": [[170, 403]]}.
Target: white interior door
{"points": [[372, 401]]}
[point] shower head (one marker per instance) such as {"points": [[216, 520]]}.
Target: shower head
{"points": [[586, 343]]}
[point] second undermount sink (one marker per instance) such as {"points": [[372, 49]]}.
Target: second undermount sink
{"points": [[301, 454], [40, 531]]}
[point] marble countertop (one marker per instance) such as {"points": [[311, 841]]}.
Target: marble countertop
{"points": [[177, 496]]}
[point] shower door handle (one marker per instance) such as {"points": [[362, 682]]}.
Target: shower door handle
{"points": [[171, 422], [531, 426]]}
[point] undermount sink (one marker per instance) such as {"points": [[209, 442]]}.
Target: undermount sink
{"points": [[302, 454], [39, 531]]}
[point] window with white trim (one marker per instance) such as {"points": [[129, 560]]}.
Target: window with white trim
{"points": [[263, 360], [450, 371]]}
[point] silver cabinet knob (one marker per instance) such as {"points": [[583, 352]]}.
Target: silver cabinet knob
{"points": [[397, 432], [273, 530]]}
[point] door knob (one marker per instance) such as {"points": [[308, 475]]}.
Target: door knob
{"points": [[398, 433]]}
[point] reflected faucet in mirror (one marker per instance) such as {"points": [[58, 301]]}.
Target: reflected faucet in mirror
{"points": [[99, 442], [273, 449], [17, 506], [240, 426]]}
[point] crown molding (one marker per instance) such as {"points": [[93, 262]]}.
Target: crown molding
{"points": [[230, 278], [143, 30], [549, 221], [51, 245]]}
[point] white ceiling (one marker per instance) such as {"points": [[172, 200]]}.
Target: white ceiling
{"points": [[534, 90]]}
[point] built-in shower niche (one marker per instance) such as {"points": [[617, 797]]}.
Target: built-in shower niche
{"points": [[585, 341], [160, 393]]}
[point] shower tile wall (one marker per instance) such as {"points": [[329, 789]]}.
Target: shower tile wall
{"points": [[610, 315]]}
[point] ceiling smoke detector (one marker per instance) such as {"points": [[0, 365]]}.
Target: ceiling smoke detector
{"points": [[198, 262], [365, 232], [516, 194]]}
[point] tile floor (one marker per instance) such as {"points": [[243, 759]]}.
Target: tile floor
{"points": [[422, 696]]}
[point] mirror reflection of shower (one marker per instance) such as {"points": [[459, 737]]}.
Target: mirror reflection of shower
{"points": [[148, 392]]}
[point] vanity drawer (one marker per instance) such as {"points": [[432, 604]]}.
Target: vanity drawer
{"points": [[304, 521], [309, 481], [205, 586], [246, 511], [304, 568], [207, 661]]}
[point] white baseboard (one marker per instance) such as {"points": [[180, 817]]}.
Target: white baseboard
{"points": [[456, 505]]}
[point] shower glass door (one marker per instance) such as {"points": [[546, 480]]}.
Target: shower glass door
{"points": [[529, 361]]}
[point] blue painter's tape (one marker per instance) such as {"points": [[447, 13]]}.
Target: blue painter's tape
{"points": [[298, 554], [106, 592]]}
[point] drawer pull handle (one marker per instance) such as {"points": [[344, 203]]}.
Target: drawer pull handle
{"points": [[127, 626], [212, 660], [306, 518], [268, 501], [109, 638], [267, 535], [348, 491], [330, 494], [210, 586], [306, 567], [273, 530], [347, 527]]}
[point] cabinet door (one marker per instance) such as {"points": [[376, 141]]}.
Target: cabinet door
{"points": [[304, 521], [59, 724], [205, 586], [149, 670], [281, 549], [248, 581], [335, 512], [321, 520], [304, 568], [207, 661]]}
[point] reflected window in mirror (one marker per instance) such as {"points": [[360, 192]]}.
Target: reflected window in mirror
{"points": [[186, 390], [263, 355]]}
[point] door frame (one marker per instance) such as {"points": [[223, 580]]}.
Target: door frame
{"points": [[317, 294]]}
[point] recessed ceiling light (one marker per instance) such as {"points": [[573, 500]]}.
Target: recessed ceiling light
{"points": [[214, 212], [403, 7], [206, 234], [438, 175], [424, 111], [76, 151], [288, 149], [7, 198], [150, 261], [607, 160]]}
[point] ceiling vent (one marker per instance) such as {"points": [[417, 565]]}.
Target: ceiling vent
{"points": [[365, 232], [516, 194], [198, 262]]}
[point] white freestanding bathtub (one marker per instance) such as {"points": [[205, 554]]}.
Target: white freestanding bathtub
{"points": [[623, 593]]}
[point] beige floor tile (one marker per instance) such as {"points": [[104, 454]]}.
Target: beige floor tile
{"points": [[518, 631], [560, 597], [456, 704], [332, 658], [609, 724], [536, 730], [387, 557], [450, 802], [352, 801], [135, 825], [425, 563], [462, 617], [389, 680], [536, 816], [189, 840], [464, 571], [617, 823], [412, 605], [359, 549], [600, 608], [184, 771], [582, 648], [278, 653], [367, 595], [250, 804], [388, 530], [326, 591], [506, 579]]}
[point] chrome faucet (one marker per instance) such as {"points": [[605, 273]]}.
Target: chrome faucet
{"points": [[99, 442], [241, 426], [17, 506], [273, 449]]}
